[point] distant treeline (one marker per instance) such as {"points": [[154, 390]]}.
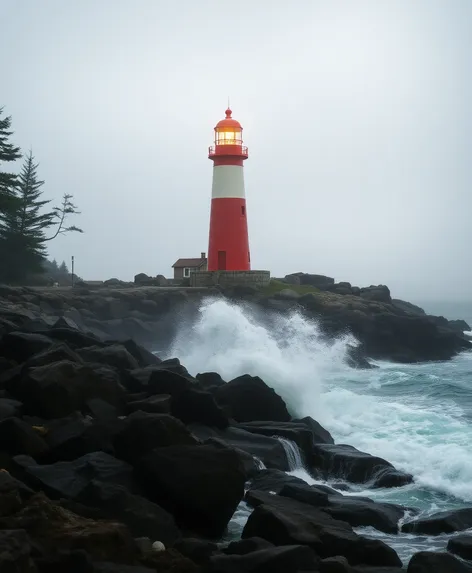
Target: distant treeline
{"points": [[27, 220]]}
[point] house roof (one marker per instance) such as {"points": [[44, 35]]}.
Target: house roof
{"points": [[189, 263]]}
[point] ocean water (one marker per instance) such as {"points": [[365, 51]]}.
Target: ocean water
{"points": [[418, 417]]}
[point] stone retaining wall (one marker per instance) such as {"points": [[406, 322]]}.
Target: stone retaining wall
{"points": [[229, 278]]}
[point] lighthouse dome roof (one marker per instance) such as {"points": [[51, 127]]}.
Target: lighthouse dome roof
{"points": [[228, 121]]}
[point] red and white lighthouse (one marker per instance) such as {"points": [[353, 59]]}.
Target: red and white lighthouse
{"points": [[228, 248]]}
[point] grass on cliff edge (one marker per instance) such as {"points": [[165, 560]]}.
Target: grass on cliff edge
{"points": [[276, 286]]}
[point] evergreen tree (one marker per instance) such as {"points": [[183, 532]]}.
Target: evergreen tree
{"points": [[23, 230], [63, 270], [8, 181]]}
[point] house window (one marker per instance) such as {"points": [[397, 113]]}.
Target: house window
{"points": [[186, 273]]}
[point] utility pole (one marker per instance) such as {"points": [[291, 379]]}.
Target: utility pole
{"points": [[72, 268]]}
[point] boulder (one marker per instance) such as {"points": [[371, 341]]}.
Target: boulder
{"points": [[198, 550], [250, 399], [320, 434], [19, 346], [157, 404], [442, 522], [284, 521], [18, 437], [141, 516], [143, 432], [199, 407], [432, 562], [346, 462], [287, 559], [15, 552], [68, 479], [461, 545], [268, 450], [200, 485], [13, 493], [274, 480], [58, 389], [380, 293], [210, 381], [9, 408], [248, 545], [115, 355], [358, 512], [53, 529]]}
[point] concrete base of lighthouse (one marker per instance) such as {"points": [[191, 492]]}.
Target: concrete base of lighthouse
{"points": [[229, 278]]}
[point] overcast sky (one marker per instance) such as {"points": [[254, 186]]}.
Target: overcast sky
{"points": [[357, 114]]}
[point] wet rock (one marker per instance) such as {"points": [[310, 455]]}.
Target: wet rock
{"points": [[198, 550], [55, 353], [68, 479], [269, 450], [298, 433], [275, 480], [250, 464], [195, 406], [19, 346], [143, 432], [58, 389], [200, 485], [141, 354], [335, 565], [115, 355], [431, 562], [348, 463], [18, 437], [249, 399], [142, 517], [15, 552], [53, 529], [358, 512], [288, 559], [210, 381], [157, 404], [442, 522], [244, 546], [320, 434], [461, 545], [284, 521], [13, 493]]}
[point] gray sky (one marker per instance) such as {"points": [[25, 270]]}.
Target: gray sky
{"points": [[356, 112]]}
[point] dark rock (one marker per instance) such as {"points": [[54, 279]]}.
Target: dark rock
{"points": [[139, 353], [284, 521], [104, 567], [348, 463], [431, 562], [9, 408], [200, 485], [335, 565], [141, 516], [143, 432], [158, 404], [73, 337], [299, 433], [380, 293], [358, 512], [248, 545], [442, 522], [288, 559], [58, 389], [69, 479], [250, 464], [15, 552], [77, 561], [13, 494], [319, 281], [210, 380], [198, 550], [115, 355], [461, 545], [269, 450], [249, 399], [164, 381], [460, 326], [53, 529], [17, 437], [101, 410], [19, 346], [407, 307], [194, 406], [56, 353], [320, 434], [65, 322], [275, 480], [72, 437]]}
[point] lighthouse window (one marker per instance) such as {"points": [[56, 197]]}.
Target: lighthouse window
{"points": [[243, 210]]}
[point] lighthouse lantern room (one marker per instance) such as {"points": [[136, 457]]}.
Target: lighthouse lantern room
{"points": [[228, 248]]}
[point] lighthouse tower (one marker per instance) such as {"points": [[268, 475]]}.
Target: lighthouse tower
{"points": [[228, 248]]}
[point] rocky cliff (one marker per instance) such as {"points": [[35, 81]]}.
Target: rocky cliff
{"points": [[387, 329]]}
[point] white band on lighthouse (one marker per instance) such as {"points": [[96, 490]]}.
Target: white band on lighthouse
{"points": [[228, 181]]}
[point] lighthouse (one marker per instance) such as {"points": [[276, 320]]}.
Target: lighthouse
{"points": [[228, 248]]}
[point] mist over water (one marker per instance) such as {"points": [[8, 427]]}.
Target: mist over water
{"points": [[418, 417]]}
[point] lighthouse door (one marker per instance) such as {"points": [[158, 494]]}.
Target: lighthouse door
{"points": [[221, 260]]}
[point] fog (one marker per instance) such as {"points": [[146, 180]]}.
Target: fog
{"points": [[357, 117]]}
